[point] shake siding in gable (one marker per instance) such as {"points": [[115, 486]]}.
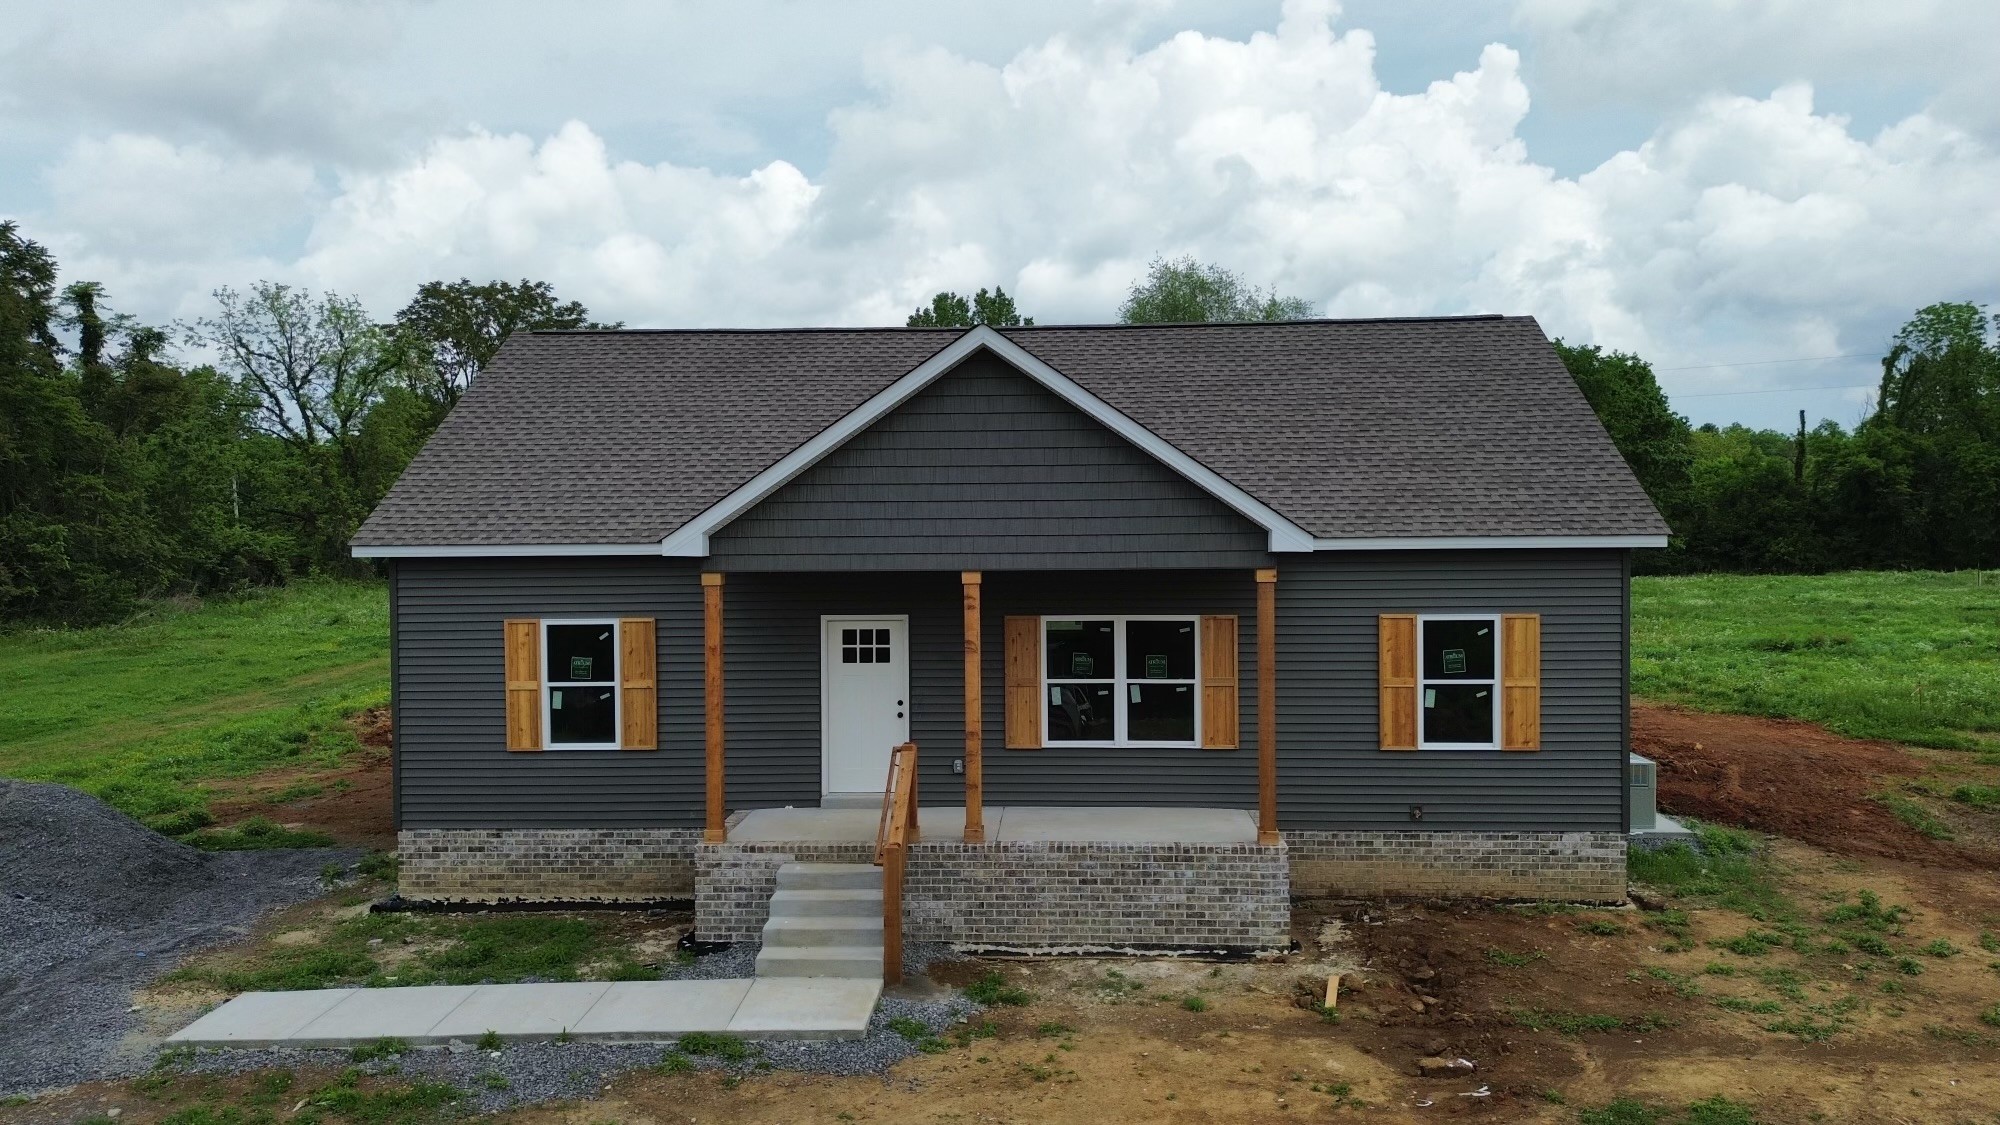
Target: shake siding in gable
{"points": [[987, 469], [1331, 775], [453, 768]]}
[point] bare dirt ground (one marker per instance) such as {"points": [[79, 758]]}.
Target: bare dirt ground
{"points": [[1802, 781], [1558, 1009]]}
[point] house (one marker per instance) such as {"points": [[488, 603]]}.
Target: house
{"points": [[1183, 619]]}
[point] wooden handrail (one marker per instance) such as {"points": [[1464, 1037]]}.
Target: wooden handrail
{"points": [[894, 834]]}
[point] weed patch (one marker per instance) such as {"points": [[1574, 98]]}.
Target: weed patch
{"points": [[1729, 871], [992, 989], [1978, 796], [1515, 960], [256, 834], [728, 1048]]}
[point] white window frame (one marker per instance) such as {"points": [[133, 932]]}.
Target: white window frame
{"points": [[1121, 689], [1499, 700], [617, 679]]}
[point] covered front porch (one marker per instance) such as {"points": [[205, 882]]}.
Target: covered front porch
{"points": [[972, 683]]}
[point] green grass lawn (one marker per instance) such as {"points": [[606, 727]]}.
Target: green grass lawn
{"points": [[140, 714], [1909, 656]]}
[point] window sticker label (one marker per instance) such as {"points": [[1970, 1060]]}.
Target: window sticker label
{"points": [[1134, 688], [1081, 664], [1055, 696], [579, 667], [1430, 697], [555, 700], [1156, 666], [1454, 661]]}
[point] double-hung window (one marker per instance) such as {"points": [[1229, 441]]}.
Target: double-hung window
{"points": [[1120, 681], [580, 683], [1458, 681]]}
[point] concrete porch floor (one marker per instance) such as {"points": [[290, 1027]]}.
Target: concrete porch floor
{"points": [[1005, 824]]}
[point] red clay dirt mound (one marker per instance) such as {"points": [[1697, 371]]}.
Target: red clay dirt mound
{"points": [[1788, 777], [352, 804]]}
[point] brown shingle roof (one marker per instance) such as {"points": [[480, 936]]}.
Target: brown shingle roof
{"points": [[1460, 426]]}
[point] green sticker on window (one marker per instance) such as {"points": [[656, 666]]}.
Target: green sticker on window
{"points": [[579, 667], [1454, 661], [1156, 667], [1080, 664], [1430, 697]]}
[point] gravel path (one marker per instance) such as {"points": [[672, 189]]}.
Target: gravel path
{"points": [[536, 1072], [93, 904]]}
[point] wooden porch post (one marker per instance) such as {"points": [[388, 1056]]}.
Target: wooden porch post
{"points": [[1267, 706], [711, 667], [975, 718]]}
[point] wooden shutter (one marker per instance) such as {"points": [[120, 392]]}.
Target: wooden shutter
{"points": [[1024, 683], [1219, 725], [1396, 679], [524, 683], [1521, 681], [638, 694]]}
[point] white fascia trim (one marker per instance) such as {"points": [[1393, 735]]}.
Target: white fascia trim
{"points": [[1492, 542], [691, 540], [483, 551]]}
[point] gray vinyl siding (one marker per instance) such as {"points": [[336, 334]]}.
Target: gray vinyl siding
{"points": [[452, 769], [453, 766], [1330, 773], [987, 469]]}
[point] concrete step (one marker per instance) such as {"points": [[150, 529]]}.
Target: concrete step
{"points": [[827, 904], [862, 961], [823, 931], [829, 877]]}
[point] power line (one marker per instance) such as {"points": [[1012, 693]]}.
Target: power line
{"points": [[1761, 362], [1772, 390]]}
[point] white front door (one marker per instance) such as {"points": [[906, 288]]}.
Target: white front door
{"points": [[866, 688]]}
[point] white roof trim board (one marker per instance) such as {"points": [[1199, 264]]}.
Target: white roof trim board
{"points": [[691, 539]]}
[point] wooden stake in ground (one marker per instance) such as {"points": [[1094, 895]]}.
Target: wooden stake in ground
{"points": [[1333, 990]]}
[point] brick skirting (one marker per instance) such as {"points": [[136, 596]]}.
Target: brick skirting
{"points": [[1031, 896], [1021, 895], [546, 864], [1571, 866]]}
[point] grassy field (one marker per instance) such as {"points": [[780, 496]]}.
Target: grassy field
{"points": [[140, 713], [1910, 657]]}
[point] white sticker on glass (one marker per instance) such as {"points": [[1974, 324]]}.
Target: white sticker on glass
{"points": [[1430, 697], [555, 701]]}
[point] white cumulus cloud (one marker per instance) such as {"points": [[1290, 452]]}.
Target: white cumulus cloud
{"points": [[1747, 226]]}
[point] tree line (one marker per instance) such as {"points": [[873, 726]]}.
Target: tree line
{"points": [[128, 472]]}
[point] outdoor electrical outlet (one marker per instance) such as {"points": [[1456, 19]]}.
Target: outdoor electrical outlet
{"points": [[958, 765], [1416, 812]]}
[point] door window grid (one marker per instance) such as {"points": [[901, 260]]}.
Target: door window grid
{"points": [[864, 646]]}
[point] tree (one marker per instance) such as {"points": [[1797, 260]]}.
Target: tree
{"points": [[451, 330], [314, 369], [1943, 374], [949, 310], [1655, 441], [1185, 291]]}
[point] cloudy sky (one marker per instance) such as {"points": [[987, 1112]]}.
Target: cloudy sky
{"points": [[1753, 195]]}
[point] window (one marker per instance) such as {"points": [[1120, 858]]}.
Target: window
{"points": [[1458, 678], [1113, 681], [580, 684], [864, 646]]}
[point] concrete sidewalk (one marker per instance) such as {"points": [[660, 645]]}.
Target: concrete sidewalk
{"points": [[619, 1012]]}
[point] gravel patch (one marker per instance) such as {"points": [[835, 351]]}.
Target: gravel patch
{"points": [[93, 904], [535, 1072]]}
